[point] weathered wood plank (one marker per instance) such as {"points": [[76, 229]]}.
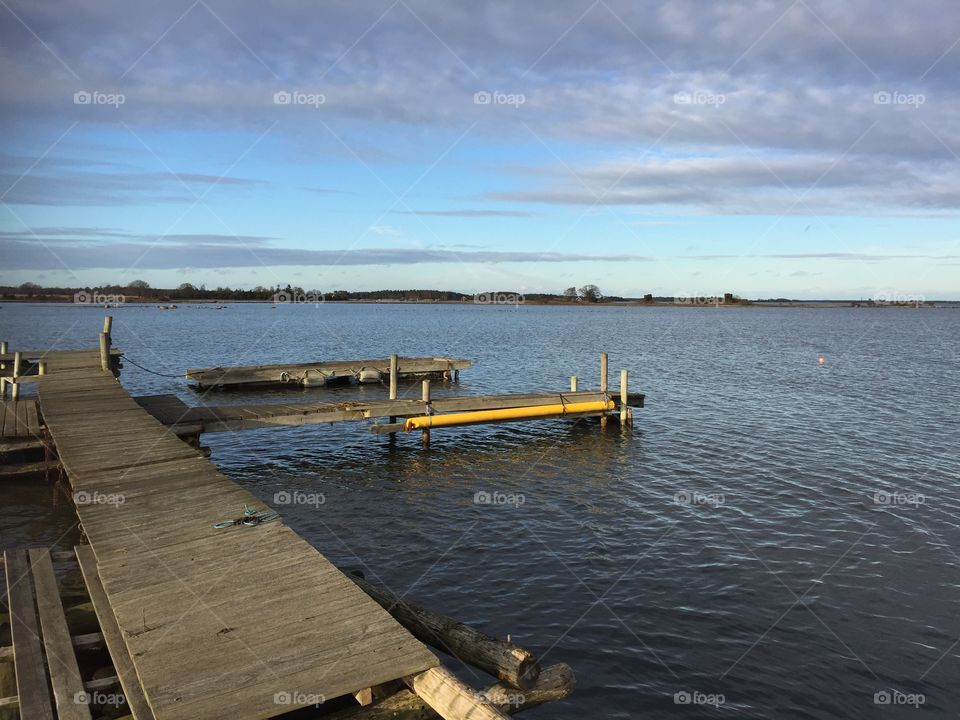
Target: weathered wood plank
{"points": [[119, 655], [61, 659], [32, 688]]}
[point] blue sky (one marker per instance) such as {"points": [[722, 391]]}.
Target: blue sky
{"points": [[798, 149]]}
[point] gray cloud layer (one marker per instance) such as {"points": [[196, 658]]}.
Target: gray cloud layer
{"points": [[756, 101]]}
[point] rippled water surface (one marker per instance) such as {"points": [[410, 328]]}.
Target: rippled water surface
{"points": [[816, 565]]}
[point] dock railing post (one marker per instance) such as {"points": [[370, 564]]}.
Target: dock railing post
{"points": [[104, 352], [573, 383], [603, 385], [15, 389], [425, 395], [624, 410]]}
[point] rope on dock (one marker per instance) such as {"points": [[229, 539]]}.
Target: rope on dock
{"points": [[154, 372]]}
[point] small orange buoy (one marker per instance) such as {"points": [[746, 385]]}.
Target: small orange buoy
{"points": [[821, 360]]}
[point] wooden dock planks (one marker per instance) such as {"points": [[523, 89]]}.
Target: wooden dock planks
{"points": [[217, 623]]}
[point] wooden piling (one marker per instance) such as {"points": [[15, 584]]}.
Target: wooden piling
{"points": [[573, 383], [393, 377], [3, 351], [603, 385], [107, 324], [104, 352], [15, 388], [624, 409], [42, 367], [425, 396]]}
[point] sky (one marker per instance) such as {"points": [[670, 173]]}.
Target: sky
{"points": [[806, 149]]}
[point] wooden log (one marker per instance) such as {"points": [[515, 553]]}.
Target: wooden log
{"points": [[556, 682], [450, 697], [511, 664]]}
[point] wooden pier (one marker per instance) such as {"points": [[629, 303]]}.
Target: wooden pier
{"points": [[186, 419], [324, 372], [208, 605]]}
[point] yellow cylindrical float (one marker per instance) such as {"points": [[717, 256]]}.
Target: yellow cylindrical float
{"points": [[425, 422]]}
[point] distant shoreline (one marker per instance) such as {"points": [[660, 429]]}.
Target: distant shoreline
{"points": [[679, 304]]}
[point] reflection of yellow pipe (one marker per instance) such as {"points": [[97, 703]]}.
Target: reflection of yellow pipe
{"points": [[479, 416]]}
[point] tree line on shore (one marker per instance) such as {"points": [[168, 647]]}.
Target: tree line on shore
{"points": [[140, 291]]}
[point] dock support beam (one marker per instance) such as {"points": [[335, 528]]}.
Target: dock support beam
{"points": [[425, 396], [603, 385]]}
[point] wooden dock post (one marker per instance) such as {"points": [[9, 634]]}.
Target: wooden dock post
{"points": [[624, 409], [15, 389], [3, 351], [42, 367], [603, 385], [425, 396], [393, 388], [104, 352], [107, 324], [573, 383]]}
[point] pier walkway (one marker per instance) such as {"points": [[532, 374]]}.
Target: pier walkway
{"points": [[216, 622]]}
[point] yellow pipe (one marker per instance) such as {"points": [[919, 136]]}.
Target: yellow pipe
{"points": [[424, 422]]}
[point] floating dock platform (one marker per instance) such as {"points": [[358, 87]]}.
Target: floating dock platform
{"points": [[325, 372]]}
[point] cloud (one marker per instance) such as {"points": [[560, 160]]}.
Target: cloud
{"points": [[28, 253]]}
